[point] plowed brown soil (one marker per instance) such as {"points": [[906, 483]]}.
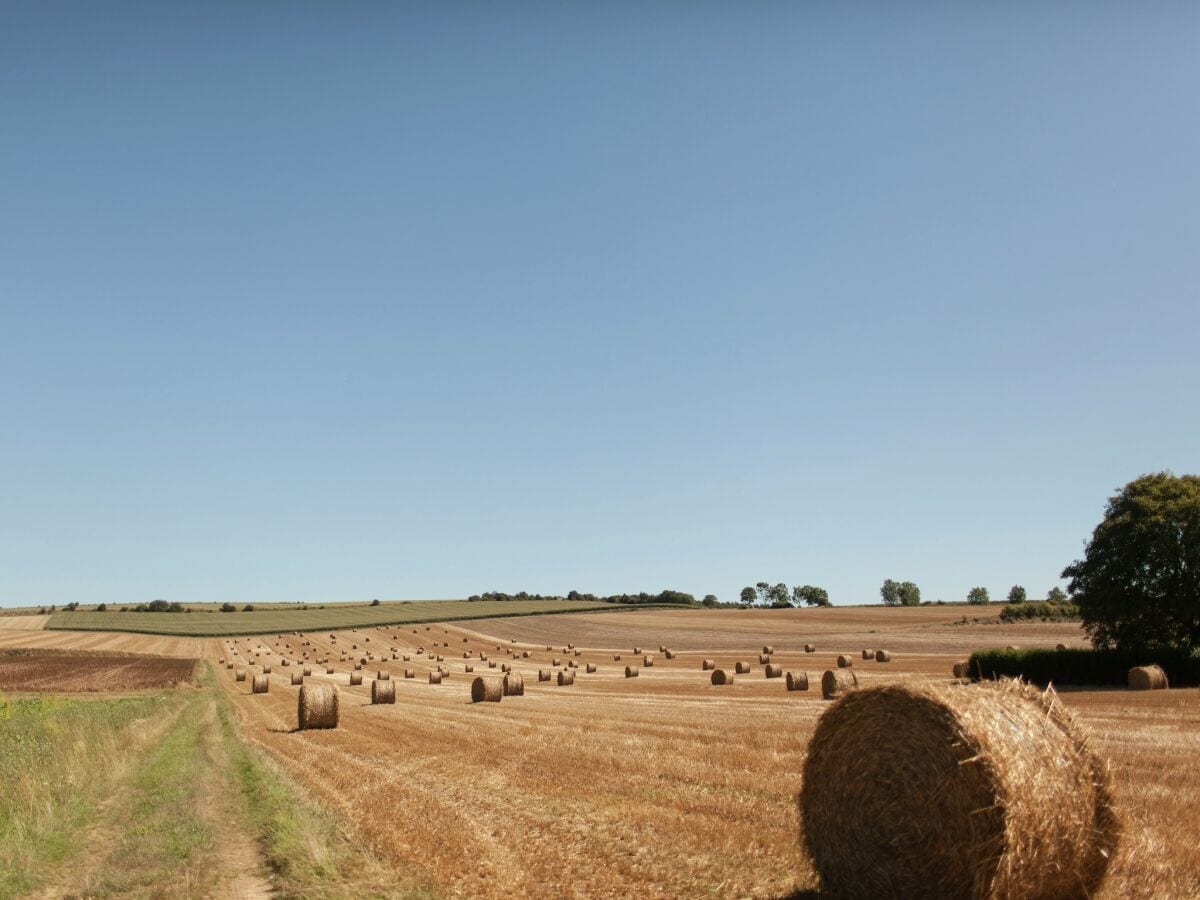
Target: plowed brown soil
{"points": [[33, 670]]}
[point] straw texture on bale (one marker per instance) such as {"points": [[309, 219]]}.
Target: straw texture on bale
{"points": [[468, 669], [836, 682], [845, 662], [797, 681], [382, 675], [297, 678], [764, 658], [328, 670], [720, 676], [241, 675], [489, 690], [768, 650], [356, 677], [566, 676], [266, 670], [742, 668], [810, 648], [707, 665], [260, 685], [1147, 678], [383, 691], [491, 664], [543, 674], [556, 661], [318, 706], [962, 669], [773, 671], [868, 654], [514, 685], [591, 667], [882, 656], [228, 665], [435, 677], [647, 661], [637, 650], [410, 673], [505, 667], [990, 791], [631, 672]]}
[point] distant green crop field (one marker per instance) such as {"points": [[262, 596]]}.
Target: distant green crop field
{"points": [[268, 620]]}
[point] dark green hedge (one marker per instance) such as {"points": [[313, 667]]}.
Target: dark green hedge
{"points": [[1082, 666]]}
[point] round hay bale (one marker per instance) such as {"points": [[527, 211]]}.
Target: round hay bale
{"points": [[768, 650], [844, 661], [491, 664], [917, 791], [382, 675], [566, 676], [318, 706], [631, 672], [525, 655], [549, 648], [489, 690], [707, 665], [260, 685], [637, 650], [543, 674], [962, 669], [464, 640], [764, 658], [720, 676], [355, 678], [1012, 647], [297, 678], [570, 646], [1060, 646], [616, 657], [240, 675], [556, 661], [505, 667], [405, 657], [266, 670], [468, 669], [229, 665], [810, 648], [868, 654], [285, 662], [797, 681], [383, 691], [514, 685], [883, 656], [773, 671], [483, 657], [307, 670], [1147, 678], [742, 668], [647, 661], [836, 682], [669, 654], [435, 677], [329, 670], [662, 648], [410, 673], [571, 664], [591, 668]]}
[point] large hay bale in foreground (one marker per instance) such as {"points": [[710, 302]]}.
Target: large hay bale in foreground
{"points": [[318, 706], [1147, 678], [742, 668], [514, 685], [566, 676], [797, 681], [260, 685], [489, 690], [836, 682], [720, 676], [989, 791], [383, 691]]}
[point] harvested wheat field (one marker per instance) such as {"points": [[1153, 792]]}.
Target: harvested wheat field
{"points": [[663, 785]]}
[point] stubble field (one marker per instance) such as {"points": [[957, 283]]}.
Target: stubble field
{"points": [[660, 785]]}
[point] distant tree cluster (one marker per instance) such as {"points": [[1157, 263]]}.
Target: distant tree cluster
{"points": [[780, 596], [668, 596], [978, 596], [900, 593]]}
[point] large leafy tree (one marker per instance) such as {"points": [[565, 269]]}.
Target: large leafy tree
{"points": [[811, 595], [978, 596], [890, 592], [1138, 584], [909, 594]]}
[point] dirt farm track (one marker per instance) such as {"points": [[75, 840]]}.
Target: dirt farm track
{"points": [[656, 786]]}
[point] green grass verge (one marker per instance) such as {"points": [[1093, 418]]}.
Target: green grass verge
{"points": [[59, 760], [331, 617]]}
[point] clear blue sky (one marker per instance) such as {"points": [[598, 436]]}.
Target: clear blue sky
{"points": [[329, 301]]}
